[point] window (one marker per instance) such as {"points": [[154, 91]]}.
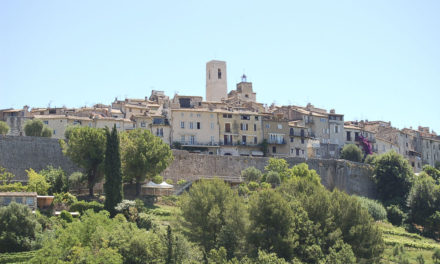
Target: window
{"points": [[219, 73], [143, 124], [291, 132], [291, 151], [256, 118], [7, 200], [302, 140], [29, 201], [159, 132], [46, 122], [212, 140], [193, 140], [348, 136], [274, 149], [255, 127], [182, 124], [191, 125], [228, 127], [322, 120], [54, 132], [198, 115], [198, 125], [297, 151], [244, 126], [19, 200], [255, 140], [245, 117], [243, 140], [280, 126], [302, 151], [246, 95], [212, 125], [182, 139], [267, 125], [227, 115], [291, 139], [336, 129]]}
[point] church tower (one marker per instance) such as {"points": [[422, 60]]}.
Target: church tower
{"points": [[216, 86]]}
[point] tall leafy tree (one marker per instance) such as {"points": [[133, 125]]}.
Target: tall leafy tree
{"points": [[86, 148], [143, 156], [214, 215], [393, 176], [4, 128], [112, 171], [18, 227]]}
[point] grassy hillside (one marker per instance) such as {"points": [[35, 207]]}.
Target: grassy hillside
{"points": [[413, 244]]}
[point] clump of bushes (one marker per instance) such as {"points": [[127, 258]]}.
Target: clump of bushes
{"points": [[83, 206], [376, 209], [395, 215]]}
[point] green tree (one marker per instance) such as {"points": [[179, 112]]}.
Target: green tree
{"points": [[393, 176], [279, 166], [212, 212], [33, 128], [86, 148], [251, 174], [143, 156], [112, 170], [36, 128], [351, 152], [46, 132], [272, 224], [433, 172], [56, 178], [422, 199], [169, 244], [5, 176], [37, 183], [436, 256], [18, 228], [273, 178], [4, 128]]}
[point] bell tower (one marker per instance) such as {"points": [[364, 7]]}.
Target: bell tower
{"points": [[216, 85]]}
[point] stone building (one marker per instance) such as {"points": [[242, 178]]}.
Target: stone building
{"points": [[196, 129], [299, 141], [276, 133], [240, 133]]}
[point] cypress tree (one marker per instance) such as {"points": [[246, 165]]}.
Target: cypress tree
{"points": [[113, 173]]}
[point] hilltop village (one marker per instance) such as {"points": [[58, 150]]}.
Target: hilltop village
{"points": [[236, 124]]}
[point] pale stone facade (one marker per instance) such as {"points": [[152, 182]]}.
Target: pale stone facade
{"points": [[196, 129], [276, 133]]}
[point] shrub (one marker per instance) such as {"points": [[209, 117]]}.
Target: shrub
{"points": [[157, 179], [64, 198], [18, 228], [253, 185], [243, 190], [4, 128], [145, 221], [169, 181], [351, 152], [37, 183], [395, 215], [66, 216], [251, 174], [181, 182], [376, 209], [83, 206], [128, 209], [13, 187], [273, 178]]}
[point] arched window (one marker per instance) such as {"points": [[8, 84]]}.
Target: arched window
{"points": [[219, 73]]}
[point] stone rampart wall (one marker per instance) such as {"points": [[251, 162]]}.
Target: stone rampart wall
{"points": [[18, 154]]}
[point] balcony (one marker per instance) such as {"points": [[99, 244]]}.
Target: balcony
{"points": [[277, 141], [199, 144]]}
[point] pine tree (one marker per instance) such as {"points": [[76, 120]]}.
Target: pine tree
{"points": [[169, 241], [113, 173]]}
